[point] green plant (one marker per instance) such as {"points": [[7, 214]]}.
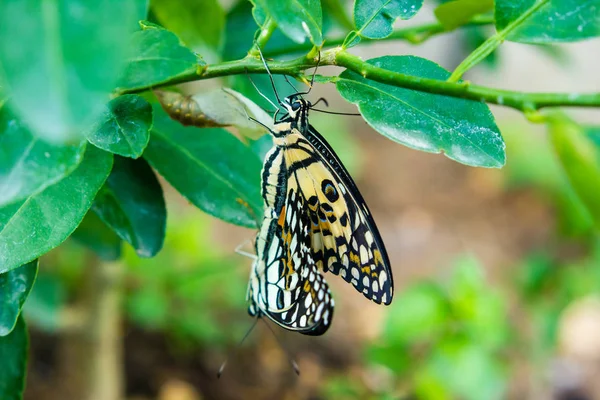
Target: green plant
{"points": [[81, 135]]}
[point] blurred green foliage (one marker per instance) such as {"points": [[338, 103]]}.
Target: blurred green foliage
{"points": [[442, 339], [192, 290]]}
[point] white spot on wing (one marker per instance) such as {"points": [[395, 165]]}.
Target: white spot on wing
{"points": [[303, 321], [364, 255]]}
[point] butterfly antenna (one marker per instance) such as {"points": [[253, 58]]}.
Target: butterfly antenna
{"points": [[258, 122], [244, 253], [291, 84], [322, 99], [262, 58], [285, 350], [262, 94], [222, 368], [335, 112], [312, 79]]}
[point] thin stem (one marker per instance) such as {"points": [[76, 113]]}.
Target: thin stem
{"points": [[263, 37], [492, 43], [414, 35]]}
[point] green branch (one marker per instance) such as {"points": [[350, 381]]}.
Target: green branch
{"points": [[525, 102], [492, 43]]}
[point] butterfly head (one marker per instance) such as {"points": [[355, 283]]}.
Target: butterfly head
{"points": [[296, 107]]}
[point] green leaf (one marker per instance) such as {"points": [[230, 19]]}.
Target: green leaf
{"points": [[556, 21], [124, 127], [27, 164], [157, 56], [199, 23], [141, 10], [336, 10], [459, 12], [46, 303], [297, 19], [593, 132], [65, 62], [464, 130], [208, 166], [240, 20], [374, 19], [95, 234], [131, 202], [13, 353], [32, 227], [15, 286], [580, 159]]}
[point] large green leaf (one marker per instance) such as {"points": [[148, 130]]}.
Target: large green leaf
{"points": [[157, 56], [62, 58], [335, 9], [32, 227], [95, 234], [15, 286], [298, 19], [131, 202], [13, 353], [580, 159], [556, 21], [464, 130], [375, 18], [124, 127], [458, 12], [210, 167], [199, 23], [27, 164]]}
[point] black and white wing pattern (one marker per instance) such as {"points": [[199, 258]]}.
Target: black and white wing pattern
{"points": [[285, 283], [344, 237]]}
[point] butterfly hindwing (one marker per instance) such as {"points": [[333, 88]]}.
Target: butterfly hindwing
{"points": [[293, 292]]}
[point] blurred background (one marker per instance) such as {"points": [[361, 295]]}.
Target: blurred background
{"points": [[497, 274]]}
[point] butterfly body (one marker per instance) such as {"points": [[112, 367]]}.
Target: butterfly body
{"points": [[315, 221]]}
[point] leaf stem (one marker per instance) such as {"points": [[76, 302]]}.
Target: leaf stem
{"points": [[492, 43], [263, 37]]}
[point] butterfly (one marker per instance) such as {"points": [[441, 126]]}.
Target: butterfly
{"points": [[315, 221]]}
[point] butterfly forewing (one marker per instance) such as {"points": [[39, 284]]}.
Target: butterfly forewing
{"points": [[344, 237]]}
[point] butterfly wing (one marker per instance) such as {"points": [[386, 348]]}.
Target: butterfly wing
{"points": [[291, 291], [344, 237]]}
